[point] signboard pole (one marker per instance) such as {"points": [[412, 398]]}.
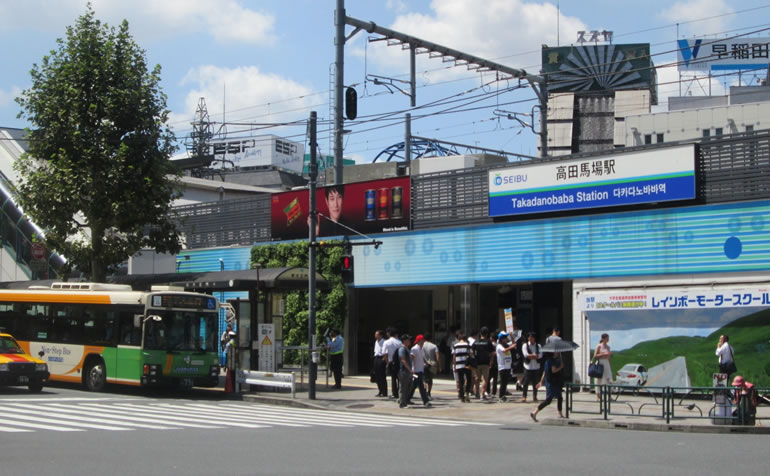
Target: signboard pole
{"points": [[312, 173]]}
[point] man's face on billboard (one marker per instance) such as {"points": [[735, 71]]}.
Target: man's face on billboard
{"points": [[334, 203]]}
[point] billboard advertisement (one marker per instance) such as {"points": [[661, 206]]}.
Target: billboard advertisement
{"points": [[259, 151], [598, 67], [595, 182], [377, 206], [722, 54]]}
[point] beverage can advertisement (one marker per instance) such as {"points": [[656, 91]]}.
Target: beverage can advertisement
{"points": [[376, 206]]}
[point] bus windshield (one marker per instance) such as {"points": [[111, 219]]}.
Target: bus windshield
{"points": [[182, 331]]}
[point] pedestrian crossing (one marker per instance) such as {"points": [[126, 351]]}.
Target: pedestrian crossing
{"points": [[128, 415]]}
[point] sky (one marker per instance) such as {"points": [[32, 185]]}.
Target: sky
{"points": [[269, 61]]}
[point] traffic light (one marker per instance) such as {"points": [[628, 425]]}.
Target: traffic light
{"points": [[351, 103], [347, 268]]}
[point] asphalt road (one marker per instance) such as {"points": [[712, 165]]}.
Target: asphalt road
{"points": [[129, 432]]}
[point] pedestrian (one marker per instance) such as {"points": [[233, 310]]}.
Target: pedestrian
{"points": [[451, 341], [432, 363], [492, 383], [602, 353], [726, 356], [484, 353], [418, 368], [405, 372], [231, 356], [462, 352], [532, 355], [336, 345], [223, 340], [517, 364], [503, 357], [555, 335], [379, 366], [473, 365], [554, 381], [392, 344]]}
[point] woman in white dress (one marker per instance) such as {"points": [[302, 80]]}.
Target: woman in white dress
{"points": [[603, 354]]}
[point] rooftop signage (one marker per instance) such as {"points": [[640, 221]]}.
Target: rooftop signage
{"points": [[722, 54], [594, 182]]}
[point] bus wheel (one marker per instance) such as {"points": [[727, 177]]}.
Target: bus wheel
{"points": [[95, 376], [35, 386]]}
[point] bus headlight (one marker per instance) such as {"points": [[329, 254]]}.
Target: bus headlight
{"points": [[41, 367]]}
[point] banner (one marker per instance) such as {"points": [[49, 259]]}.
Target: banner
{"points": [[620, 179], [378, 206], [676, 299]]}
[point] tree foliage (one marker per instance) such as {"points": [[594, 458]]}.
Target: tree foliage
{"points": [[330, 304], [98, 177]]}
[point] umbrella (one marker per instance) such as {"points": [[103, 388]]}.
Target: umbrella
{"points": [[559, 345]]}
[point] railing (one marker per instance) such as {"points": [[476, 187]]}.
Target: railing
{"points": [[296, 358], [667, 403]]}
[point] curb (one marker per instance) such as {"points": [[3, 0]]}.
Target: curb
{"points": [[284, 402], [641, 426]]}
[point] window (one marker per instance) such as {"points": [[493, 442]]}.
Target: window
{"points": [[706, 132], [749, 128], [647, 139], [659, 139], [719, 131]]}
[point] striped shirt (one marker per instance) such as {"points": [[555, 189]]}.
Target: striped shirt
{"points": [[462, 352]]}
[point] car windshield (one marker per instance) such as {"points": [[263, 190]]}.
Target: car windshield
{"points": [[182, 331], [9, 346]]}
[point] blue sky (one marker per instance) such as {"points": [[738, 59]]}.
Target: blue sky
{"points": [[269, 60]]}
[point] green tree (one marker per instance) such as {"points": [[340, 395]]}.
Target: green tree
{"points": [[98, 175], [331, 305]]}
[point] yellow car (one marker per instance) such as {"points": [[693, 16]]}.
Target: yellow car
{"points": [[19, 368]]}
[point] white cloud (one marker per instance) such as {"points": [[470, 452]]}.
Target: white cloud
{"points": [[510, 32], [252, 96], [685, 12], [7, 97], [227, 21]]}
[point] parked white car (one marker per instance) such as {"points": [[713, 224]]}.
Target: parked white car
{"points": [[632, 374]]}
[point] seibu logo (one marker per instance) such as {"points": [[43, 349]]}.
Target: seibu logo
{"points": [[508, 179]]}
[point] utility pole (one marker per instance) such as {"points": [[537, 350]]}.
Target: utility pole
{"points": [[339, 82], [311, 331]]}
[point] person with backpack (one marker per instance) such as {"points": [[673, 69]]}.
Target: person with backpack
{"points": [[532, 355]]}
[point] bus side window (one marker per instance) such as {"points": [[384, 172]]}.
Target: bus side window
{"points": [[129, 335], [68, 324], [36, 325]]}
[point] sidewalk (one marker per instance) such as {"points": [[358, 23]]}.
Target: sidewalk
{"points": [[357, 394]]}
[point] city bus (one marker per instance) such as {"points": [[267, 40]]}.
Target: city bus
{"points": [[95, 334]]}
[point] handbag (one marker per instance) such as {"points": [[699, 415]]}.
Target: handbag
{"points": [[596, 370], [729, 367]]}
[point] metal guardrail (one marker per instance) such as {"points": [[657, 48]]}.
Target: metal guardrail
{"points": [[669, 403], [304, 362]]}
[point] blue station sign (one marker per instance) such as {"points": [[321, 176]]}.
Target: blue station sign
{"points": [[596, 182]]}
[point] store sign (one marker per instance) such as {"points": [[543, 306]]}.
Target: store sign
{"points": [[378, 206], [259, 151], [723, 54], [685, 298], [621, 179], [594, 36]]}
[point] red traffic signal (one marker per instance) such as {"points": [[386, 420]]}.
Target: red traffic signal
{"points": [[347, 268]]}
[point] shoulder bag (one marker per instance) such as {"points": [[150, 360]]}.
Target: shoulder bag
{"points": [[729, 367], [596, 370]]}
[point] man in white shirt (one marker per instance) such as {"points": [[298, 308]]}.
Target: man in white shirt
{"points": [[725, 355], [391, 346], [532, 354], [418, 366], [378, 365]]}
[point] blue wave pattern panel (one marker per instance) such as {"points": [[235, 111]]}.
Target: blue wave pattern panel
{"points": [[700, 239], [208, 260]]}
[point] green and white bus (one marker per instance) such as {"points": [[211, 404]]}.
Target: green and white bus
{"points": [[96, 334]]}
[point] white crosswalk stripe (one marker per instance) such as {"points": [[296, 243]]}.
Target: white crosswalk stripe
{"points": [[121, 415]]}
